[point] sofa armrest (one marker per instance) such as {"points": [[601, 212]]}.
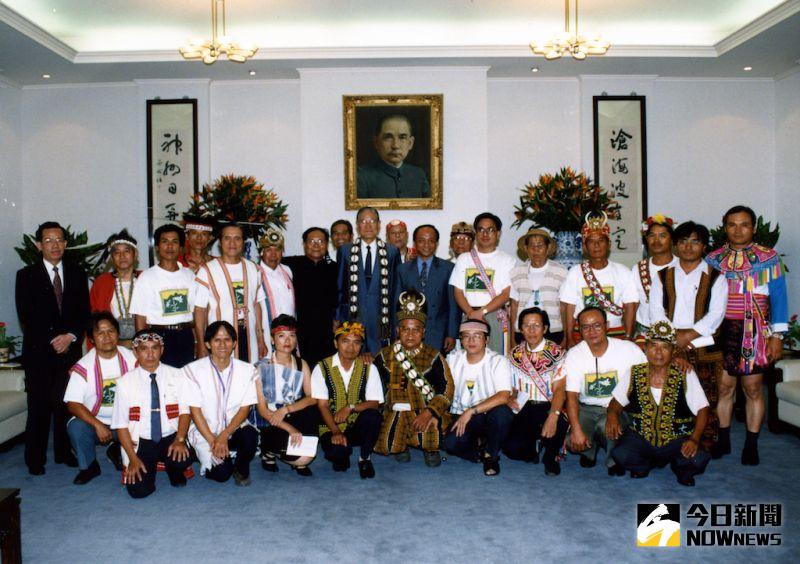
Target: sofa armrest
{"points": [[12, 380], [790, 368]]}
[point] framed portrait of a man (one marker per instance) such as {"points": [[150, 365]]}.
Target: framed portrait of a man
{"points": [[393, 151]]}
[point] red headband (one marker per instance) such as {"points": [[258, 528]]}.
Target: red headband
{"points": [[280, 328]]}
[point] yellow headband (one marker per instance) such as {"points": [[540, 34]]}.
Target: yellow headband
{"points": [[350, 328]]}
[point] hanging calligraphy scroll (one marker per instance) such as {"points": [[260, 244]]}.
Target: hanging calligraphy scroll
{"points": [[620, 167], [171, 160]]}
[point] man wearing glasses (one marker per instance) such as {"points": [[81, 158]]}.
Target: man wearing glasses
{"points": [[593, 368], [316, 296], [692, 296], [52, 298], [481, 281]]}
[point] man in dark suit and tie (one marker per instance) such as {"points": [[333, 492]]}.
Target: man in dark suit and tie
{"points": [[367, 270], [52, 298], [430, 275]]}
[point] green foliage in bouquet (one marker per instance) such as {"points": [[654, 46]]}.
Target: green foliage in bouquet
{"points": [[241, 199], [79, 250], [763, 234], [560, 202]]}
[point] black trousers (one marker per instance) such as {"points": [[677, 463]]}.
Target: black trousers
{"points": [[151, 453], [244, 441], [243, 343], [636, 454], [491, 427], [178, 346], [363, 432], [526, 430], [45, 386], [275, 441]]}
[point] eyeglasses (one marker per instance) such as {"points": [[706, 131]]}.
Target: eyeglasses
{"points": [[530, 326], [461, 237], [693, 242], [56, 241], [489, 230], [316, 241], [367, 221], [592, 326]]}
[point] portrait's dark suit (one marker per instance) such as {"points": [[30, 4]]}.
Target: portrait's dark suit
{"points": [[369, 296], [443, 312], [45, 371]]}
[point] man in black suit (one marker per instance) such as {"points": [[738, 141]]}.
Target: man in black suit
{"points": [[53, 308], [430, 275]]}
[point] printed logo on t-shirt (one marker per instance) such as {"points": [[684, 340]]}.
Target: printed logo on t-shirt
{"points": [[174, 302], [109, 389], [600, 385], [473, 282], [589, 299], [238, 291]]}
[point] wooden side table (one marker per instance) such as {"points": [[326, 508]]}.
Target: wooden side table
{"points": [[10, 534]]}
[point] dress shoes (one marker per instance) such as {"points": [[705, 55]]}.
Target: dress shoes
{"points": [[304, 471], [639, 475], [433, 459], [552, 468], [36, 470], [87, 475], [689, 481], [365, 469], [241, 481], [750, 456], [177, 481], [587, 462], [616, 470]]}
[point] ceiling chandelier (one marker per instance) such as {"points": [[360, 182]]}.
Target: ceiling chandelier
{"points": [[569, 43], [220, 44]]}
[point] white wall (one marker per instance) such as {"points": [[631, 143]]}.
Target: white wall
{"points": [[787, 178], [10, 200]]}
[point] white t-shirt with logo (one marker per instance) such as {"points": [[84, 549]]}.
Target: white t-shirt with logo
{"points": [[616, 282], [595, 378], [466, 276], [164, 297], [80, 390]]}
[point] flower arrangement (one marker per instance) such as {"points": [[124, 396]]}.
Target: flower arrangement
{"points": [[241, 199], [792, 337], [559, 202], [7, 342], [87, 255], [657, 219]]}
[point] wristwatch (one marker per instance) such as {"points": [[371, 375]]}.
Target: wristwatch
{"points": [[352, 408], [180, 439], [556, 411], [485, 311], [779, 336]]}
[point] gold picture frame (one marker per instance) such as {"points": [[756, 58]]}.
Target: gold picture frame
{"points": [[370, 179]]}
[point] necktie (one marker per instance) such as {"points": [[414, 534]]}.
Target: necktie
{"points": [[423, 275], [155, 411], [58, 288], [368, 264]]}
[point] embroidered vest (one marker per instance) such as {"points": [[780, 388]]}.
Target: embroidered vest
{"points": [[703, 299], [338, 396], [661, 423]]}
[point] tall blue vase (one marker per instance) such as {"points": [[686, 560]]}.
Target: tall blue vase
{"points": [[568, 247]]}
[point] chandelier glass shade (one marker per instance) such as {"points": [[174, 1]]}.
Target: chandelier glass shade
{"points": [[220, 43], [571, 42]]}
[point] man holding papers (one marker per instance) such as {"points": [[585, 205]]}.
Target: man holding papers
{"points": [[419, 387]]}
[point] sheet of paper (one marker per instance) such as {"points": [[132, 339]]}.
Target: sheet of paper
{"points": [[401, 407], [307, 447], [701, 342], [522, 399]]}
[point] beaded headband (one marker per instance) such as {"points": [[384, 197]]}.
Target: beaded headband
{"points": [[472, 326], [350, 328], [197, 227], [148, 337], [280, 328]]}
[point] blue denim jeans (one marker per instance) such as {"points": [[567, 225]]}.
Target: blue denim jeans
{"points": [[84, 440]]}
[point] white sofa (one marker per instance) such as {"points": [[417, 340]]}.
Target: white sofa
{"points": [[788, 391], [13, 404]]}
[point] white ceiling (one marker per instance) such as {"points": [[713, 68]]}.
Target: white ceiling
{"points": [[91, 40]]}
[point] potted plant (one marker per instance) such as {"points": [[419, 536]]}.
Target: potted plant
{"points": [[792, 337], [79, 250], [559, 202], [8, 345]]}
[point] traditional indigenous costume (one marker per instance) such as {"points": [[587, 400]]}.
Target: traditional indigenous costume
{"points": [[661, 418], [538, 287], [609, 288], [482, 277], [282, 386], [277, 284], [594, 378], [110, 293], [233, 293], [757, 305], [695, 300], [93, 382], [220, 394], [149, 406], [474, 383], [410, 253], [192, 223], [166, 300], [645, 272], [341, 388], [460, 229], [415, 380], [534, 373]]}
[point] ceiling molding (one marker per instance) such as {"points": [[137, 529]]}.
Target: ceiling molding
{"points": [[399, 70], [36, 33], [70, 85], [532, 78], [714, 79], [774, 16], [786, 74]]}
